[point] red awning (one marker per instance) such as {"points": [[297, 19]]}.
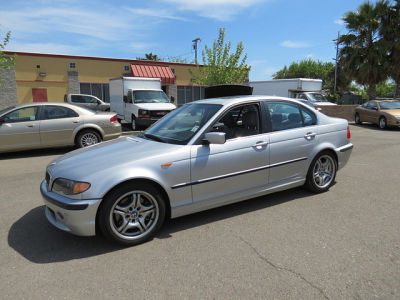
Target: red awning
{"points": [[162, 72]]}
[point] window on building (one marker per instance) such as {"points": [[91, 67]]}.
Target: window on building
{"points": [[72, 65], [126, 68], [100, 90]]}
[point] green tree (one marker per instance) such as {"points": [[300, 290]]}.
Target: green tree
{"points": [[362, 54], [309, 68], [220, 65], [390, 32], [6, 61], [150, 56]]}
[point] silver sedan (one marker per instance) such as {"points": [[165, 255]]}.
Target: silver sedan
{"points": [[203, 155], [41, 125]]}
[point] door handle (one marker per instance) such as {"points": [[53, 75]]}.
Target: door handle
{"points": [[310, 135], [30, 125], [75, 122], [260, 144]]}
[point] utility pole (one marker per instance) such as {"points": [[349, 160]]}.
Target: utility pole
{"points": [[336, 61], [195, 41]]}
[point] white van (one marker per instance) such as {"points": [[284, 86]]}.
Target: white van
{"points": [[139, 101]]}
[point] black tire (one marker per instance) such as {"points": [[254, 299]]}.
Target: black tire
{"points": [[137, 219], [357, 119], [382, 123], [87, 138], [133, 123], [323, 164]]}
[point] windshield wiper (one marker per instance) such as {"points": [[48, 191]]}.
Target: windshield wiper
{"points": [[154, 137]]}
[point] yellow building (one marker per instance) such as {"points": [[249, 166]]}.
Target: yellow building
{"points": [[48, 77]]}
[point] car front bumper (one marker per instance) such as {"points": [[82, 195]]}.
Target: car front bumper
{"points": [[75, 216]]}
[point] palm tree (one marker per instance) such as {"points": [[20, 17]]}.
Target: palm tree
{"points": [[363, 54], [390, 31]]}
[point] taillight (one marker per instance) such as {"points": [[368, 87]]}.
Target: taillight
{"points": [[348, 133], [114, 119]]}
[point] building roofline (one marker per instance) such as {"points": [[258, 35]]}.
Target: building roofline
{"points": [[130, 61]]}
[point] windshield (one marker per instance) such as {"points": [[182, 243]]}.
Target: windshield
{"points": [[149, 97], [390, 105], [6, 109], [180, 125], [317, 97]]}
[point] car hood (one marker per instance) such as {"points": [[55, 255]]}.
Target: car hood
{"points": [[122, 152], [156, 106], [323, 103]]}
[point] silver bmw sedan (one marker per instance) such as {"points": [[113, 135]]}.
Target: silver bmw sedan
{"points": [[203, 155]]}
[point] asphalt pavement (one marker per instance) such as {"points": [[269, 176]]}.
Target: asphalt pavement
{"points": [[342, 244]]}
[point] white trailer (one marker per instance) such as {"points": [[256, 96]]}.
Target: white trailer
{"points": [[300, 88], [139, 101]]}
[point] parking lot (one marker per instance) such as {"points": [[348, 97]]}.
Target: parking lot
{"points": [[290, 245]]}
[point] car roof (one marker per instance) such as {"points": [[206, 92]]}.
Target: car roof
{"points": [[242, 99], [75, 107]]}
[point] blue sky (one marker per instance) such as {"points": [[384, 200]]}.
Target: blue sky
{"points": [[274, 32]]}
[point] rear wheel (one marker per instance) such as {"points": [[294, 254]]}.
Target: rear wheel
{"points": [[322, 172], [87, 138], [382, 123], [132, 214]]}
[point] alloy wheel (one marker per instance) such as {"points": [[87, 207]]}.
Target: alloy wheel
{"points": [[134, 215], [89, 139], [324, 171]]}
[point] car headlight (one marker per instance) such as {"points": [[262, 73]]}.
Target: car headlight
{"points": [[143, 113], [70, 187]]}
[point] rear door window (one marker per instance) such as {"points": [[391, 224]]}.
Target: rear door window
{"points": [[57, 112]]}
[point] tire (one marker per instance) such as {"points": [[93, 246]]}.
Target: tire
{"points": [[133, 123], [382, 123], [322, 172], [87, 138], [357, 119], [132, 214]]}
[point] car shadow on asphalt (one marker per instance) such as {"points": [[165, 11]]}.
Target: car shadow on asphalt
{"points": [[39, 242], [35, 153]]}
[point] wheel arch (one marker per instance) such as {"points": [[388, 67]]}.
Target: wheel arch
{"points": [[158, 186]]}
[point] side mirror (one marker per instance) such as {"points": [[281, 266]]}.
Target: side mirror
{"points": [[125, 99], [172, 99], [215, 138]]}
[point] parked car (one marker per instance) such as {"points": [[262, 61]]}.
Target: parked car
{"points": [[205, 154], [42, 125], [88, 101], [383, 113]]}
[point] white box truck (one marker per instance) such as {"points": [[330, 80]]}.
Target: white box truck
{"points": [[138, 100], [300, 88]]}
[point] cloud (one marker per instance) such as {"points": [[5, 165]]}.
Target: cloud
{"points": [[49, 48], [339, 22], [310, 56], [142, 46], [221, 10], [163, 14], [295, 44]]}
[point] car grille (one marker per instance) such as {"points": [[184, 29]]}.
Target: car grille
{"points": [[158, 113]]}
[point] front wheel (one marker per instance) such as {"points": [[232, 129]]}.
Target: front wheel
{"points": [[382, 123], [357, 119], [322, 172], [133, 123], [87, 138], [132, 214]]}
